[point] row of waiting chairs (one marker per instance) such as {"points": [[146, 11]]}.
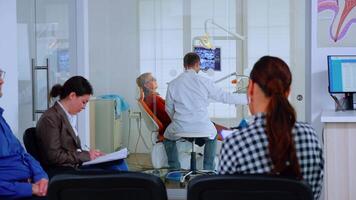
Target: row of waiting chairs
{"points": [[107, 185], [139, 186]]}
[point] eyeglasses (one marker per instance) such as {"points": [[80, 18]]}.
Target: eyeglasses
{"points": [[151, 79], [2, 74]]}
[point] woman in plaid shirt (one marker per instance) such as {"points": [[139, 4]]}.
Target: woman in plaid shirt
{"points": [[273, 143]]}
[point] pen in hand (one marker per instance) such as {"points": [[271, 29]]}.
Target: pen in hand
{"points": [[93, 153], [86, 147]]}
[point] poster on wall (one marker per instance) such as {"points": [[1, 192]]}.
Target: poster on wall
{"points": [[336, 23]]}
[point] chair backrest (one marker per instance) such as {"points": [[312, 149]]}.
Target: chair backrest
{"points": [[148, 117], [106, 185], [251, 187], [153, 124], [30, 142]]}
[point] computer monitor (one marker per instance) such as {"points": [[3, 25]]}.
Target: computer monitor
{"points": [[342, 76], [63, 60], [209, 58]]}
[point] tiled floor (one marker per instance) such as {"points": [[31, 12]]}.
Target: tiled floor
{"points": [[139, 161], [142, 162]]}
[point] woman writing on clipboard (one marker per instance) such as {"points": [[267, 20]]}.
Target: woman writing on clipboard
{"points": [[57, 134]]}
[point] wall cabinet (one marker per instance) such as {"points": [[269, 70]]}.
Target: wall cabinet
{"points": [[105, 129], [340, 154]]}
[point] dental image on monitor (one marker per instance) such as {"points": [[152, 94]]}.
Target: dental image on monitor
{"points": [[209, 58], [63, 60]]}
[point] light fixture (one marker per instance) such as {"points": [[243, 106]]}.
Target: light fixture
{"points": [[206, 39], [241, 81]]}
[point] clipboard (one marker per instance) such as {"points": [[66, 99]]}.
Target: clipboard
{"points": [[117, 155]]}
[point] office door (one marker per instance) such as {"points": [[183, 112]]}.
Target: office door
{"points": [[299, 61], [279, 28], [47, 53]]}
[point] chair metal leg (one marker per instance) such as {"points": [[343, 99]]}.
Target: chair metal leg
{"points": [[183, 178], [193, 162], [193, 168], [193, 158]]}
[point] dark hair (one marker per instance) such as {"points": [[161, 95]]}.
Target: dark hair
{"points": [[77, 84], [190, 59], [274, 78]]}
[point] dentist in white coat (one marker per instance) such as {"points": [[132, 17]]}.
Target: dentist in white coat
{"points": [[187, 104]]}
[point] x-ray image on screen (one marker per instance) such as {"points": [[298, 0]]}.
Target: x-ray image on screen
{"points": [[209, 58], [63, 60]]}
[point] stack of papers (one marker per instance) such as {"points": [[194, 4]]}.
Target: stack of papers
{"points": [[225, 133], [117, 155]]}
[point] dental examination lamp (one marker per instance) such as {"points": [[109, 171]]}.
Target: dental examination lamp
{"points": [[241, 81], [205, 40]]}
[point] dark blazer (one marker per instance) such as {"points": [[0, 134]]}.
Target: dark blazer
{"points": [[58, 144]]}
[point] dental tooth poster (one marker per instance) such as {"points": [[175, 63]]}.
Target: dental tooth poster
{"points": [[336, 23]]}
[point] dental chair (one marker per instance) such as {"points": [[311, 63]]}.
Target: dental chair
{"points": [[154, 125]]}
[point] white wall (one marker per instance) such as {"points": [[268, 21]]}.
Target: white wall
{"points": [[320, 99], [114, 51], [8, 62], [83, 65]]}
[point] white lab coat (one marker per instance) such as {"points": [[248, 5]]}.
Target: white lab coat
{"points": [[187, 104]]}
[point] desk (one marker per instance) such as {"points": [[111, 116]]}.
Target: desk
{"points": [[340, 154]]}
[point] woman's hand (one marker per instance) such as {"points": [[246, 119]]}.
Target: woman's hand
{"points": [[94, 153]]}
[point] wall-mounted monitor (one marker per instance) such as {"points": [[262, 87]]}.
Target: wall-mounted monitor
{"points": [[209, 58], [63, 60], [342, 73]]}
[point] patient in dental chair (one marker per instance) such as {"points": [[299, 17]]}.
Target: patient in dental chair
{"points": [[156, 103]]}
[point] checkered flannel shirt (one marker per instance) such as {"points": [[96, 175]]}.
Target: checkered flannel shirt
{"points": [[246, 151]]}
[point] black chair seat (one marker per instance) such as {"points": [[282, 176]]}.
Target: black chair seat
{"points": [[108, 185], [248, 187]]}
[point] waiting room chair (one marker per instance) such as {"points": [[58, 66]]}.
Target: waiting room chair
{"points": [[247, 187], [106, 185], [31, 145], [30, 142]]}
